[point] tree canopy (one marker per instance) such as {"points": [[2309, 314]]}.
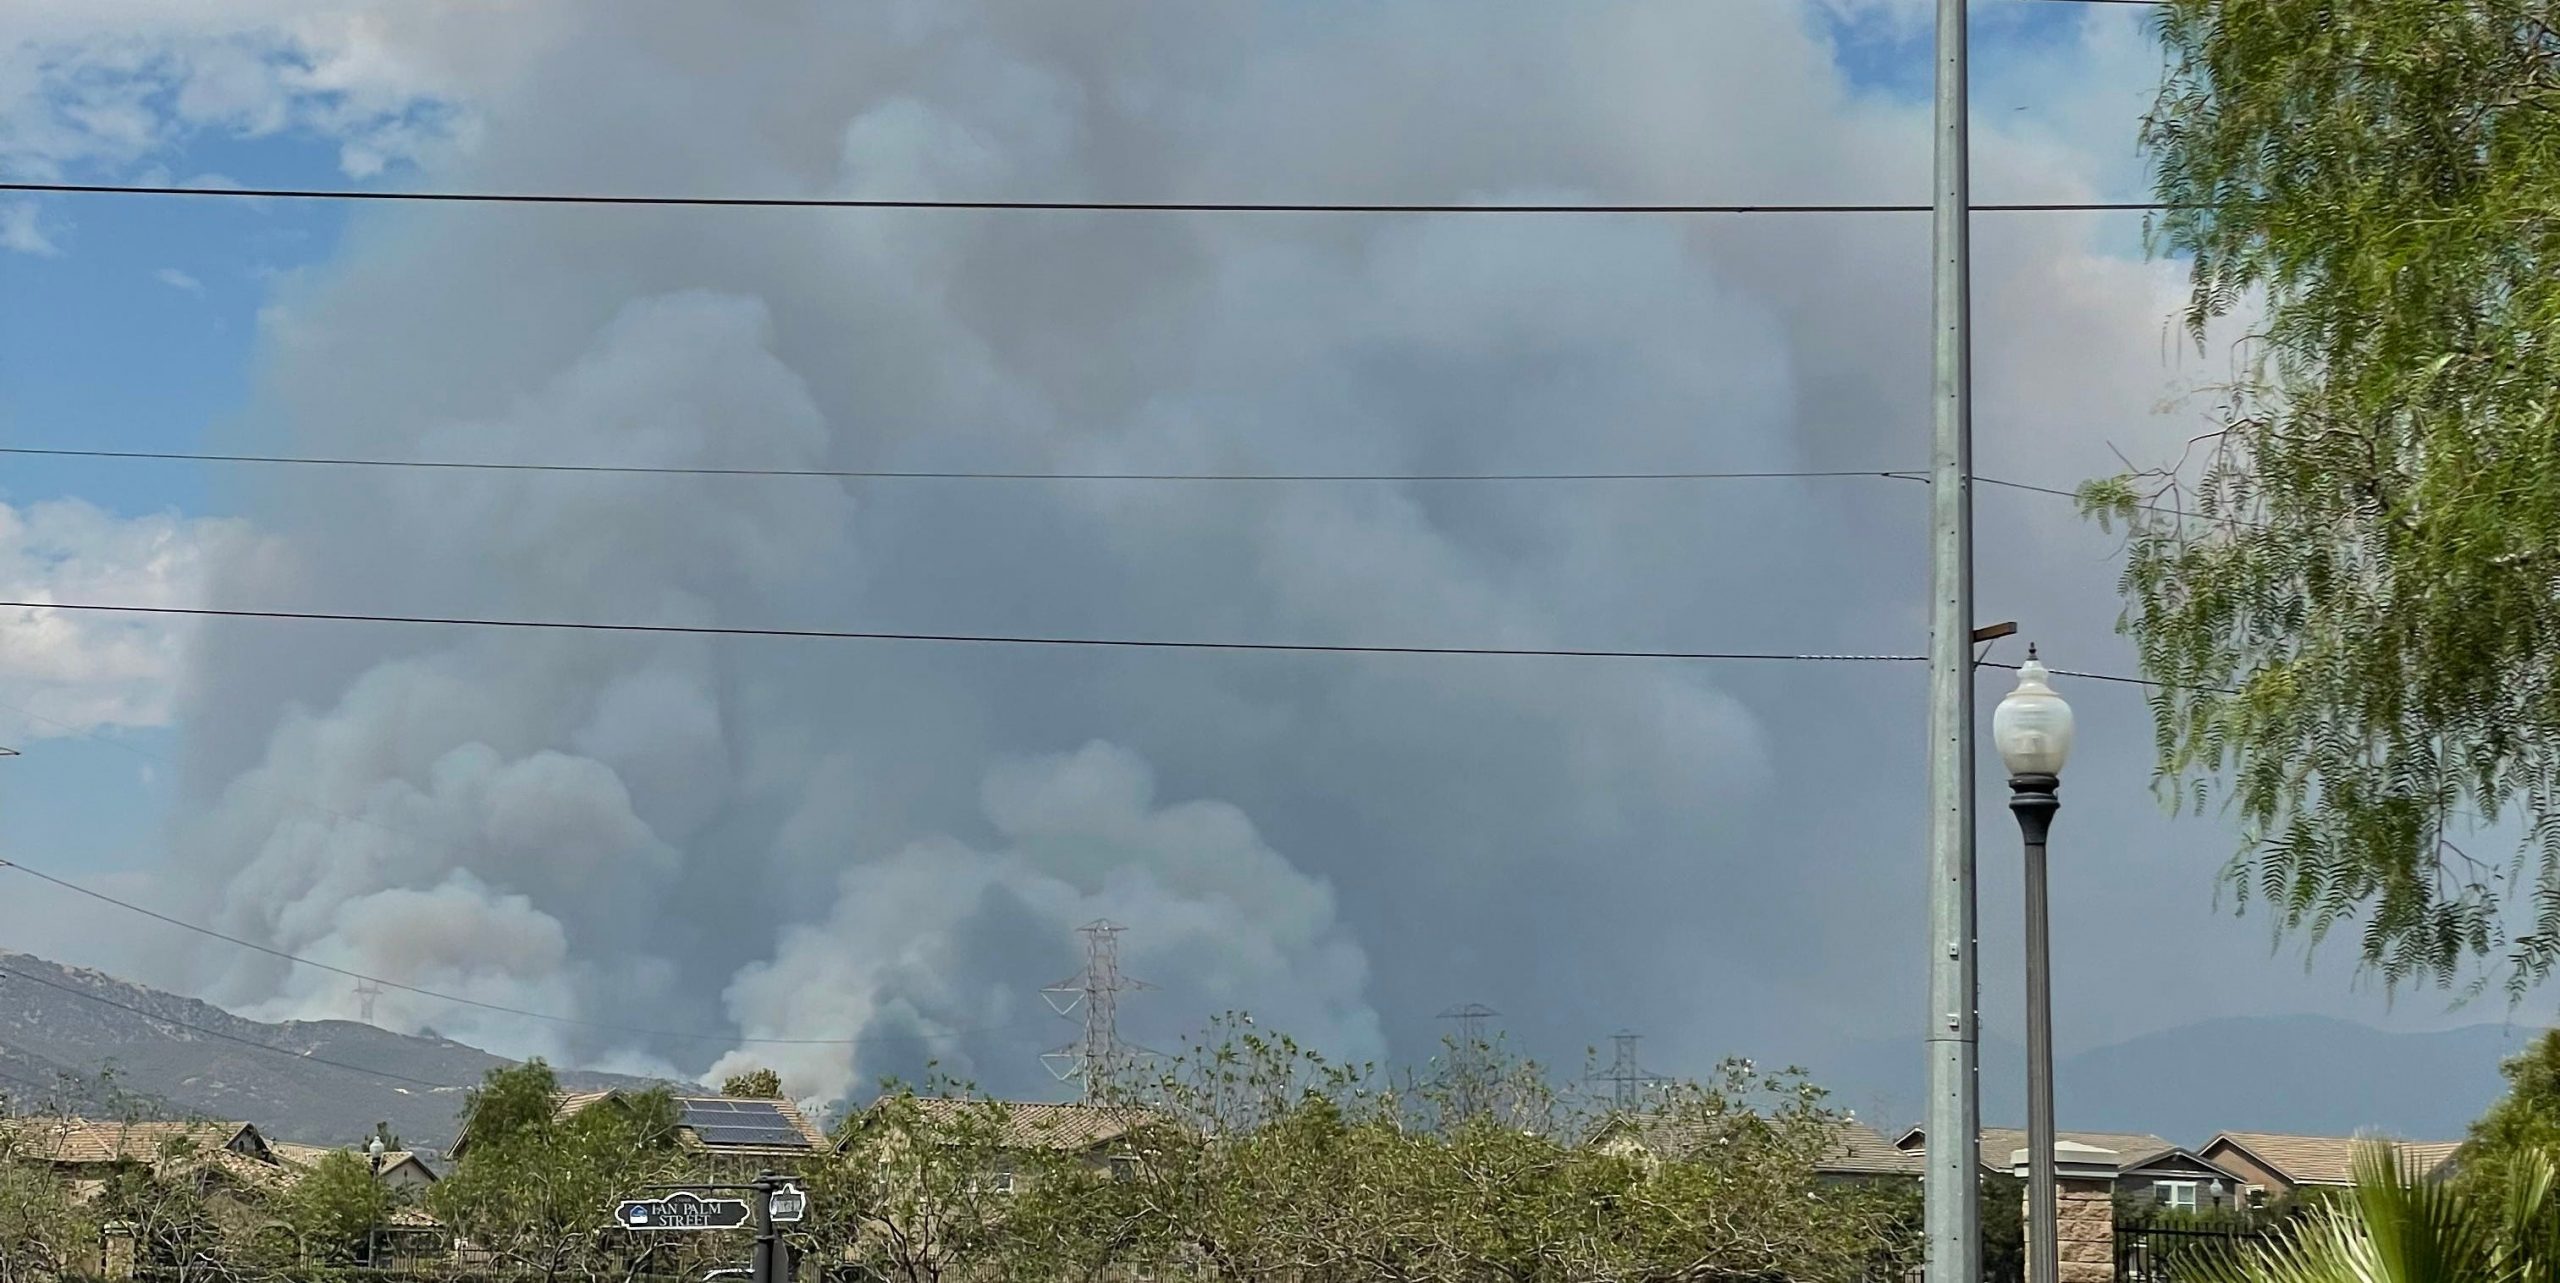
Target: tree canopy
{"points": [[2351, 588], [2524, 1126], [754, 1084]]}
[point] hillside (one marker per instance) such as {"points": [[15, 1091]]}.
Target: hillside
{"points": [[60, 1027], [2304, 1074]]}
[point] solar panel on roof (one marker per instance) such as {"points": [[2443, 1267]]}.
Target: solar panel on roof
{"points": [[728, 1134]]}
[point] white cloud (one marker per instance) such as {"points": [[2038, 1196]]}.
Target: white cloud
{"points": [[178, 280], [22, 230], [69, 673]]}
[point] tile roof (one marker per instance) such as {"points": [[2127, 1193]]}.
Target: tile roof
{"points": [[1859, 1150], [1855, 1149], [86, 1140], [1031, 1124], [2132, 1149], [167, 1147], [297, 1154], [2326, 1160]]}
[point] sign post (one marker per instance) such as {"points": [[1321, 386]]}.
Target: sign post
{"points": [[778, 1201]]}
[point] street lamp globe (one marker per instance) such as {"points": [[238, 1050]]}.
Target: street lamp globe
{"points": [[2032, 726]]}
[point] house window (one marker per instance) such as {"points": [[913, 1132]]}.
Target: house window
{"points": [[993, 1183], [1124, 1167], [2177, 1194]]}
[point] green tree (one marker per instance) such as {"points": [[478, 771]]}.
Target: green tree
{"points": [[2524, 1126], [535, 1188], [754, 1084], [2348, 590], [336, 1208], [927, 1186]]}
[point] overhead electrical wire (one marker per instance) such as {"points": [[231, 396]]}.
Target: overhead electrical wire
{"points": [[415, 196], [893, 474], [1002, 639], [992, 639], [896, 474]]}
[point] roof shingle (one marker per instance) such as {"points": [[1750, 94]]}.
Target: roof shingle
{"points": [[1042, 1125], [2326, 1160]]}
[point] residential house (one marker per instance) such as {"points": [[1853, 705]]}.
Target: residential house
{"points": [[1099, 1136], [2148, 1168], [407, 1174], [1857, 1152], [86, 1151], [2273, 1166]]}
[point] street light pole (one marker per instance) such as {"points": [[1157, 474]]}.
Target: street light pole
{"points": [[374, 1149], [2032, 728]]}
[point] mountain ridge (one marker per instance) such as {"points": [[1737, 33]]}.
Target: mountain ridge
{"points": [[2295, 1073], [78, 1038]]}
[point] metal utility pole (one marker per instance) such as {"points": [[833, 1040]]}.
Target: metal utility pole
{"points": [[1100, 1060], [1951, 1183], [766, 1265]]}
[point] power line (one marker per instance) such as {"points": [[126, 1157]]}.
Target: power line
{"points": [[1063, 206], [995, 639], [883, 474], [896, 474], [273, 952], [992, 639], [2117, 678], [14, 974]]}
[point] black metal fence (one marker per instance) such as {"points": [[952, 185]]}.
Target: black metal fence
{"points": [[2151, 1254]]}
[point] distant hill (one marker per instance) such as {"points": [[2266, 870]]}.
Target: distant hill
{"points": [[2313, 1075], [58, 1031]]}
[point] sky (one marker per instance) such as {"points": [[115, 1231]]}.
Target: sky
{"points": [[888, 847]]}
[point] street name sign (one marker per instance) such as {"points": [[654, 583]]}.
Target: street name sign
{"points": [[681, 1211], [788, 1205]]}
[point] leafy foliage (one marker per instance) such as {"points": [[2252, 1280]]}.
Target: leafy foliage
{"points": [[754, 1084], [337, 1208], [1256, 1158], [535, 1189], [2524, 1124], [2400, 1227], [2354, 601], [1249, 1157]]}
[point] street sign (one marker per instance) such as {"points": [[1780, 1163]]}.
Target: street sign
{"points": [[681, 1211], [788, 1205]]}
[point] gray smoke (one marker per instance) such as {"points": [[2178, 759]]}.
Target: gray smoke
{"points": [[893, 843]]}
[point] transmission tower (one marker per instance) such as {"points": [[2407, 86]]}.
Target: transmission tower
{"points": [[1466, 1078], [1629, 1083], [1099, 1059], [366, 992]]}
